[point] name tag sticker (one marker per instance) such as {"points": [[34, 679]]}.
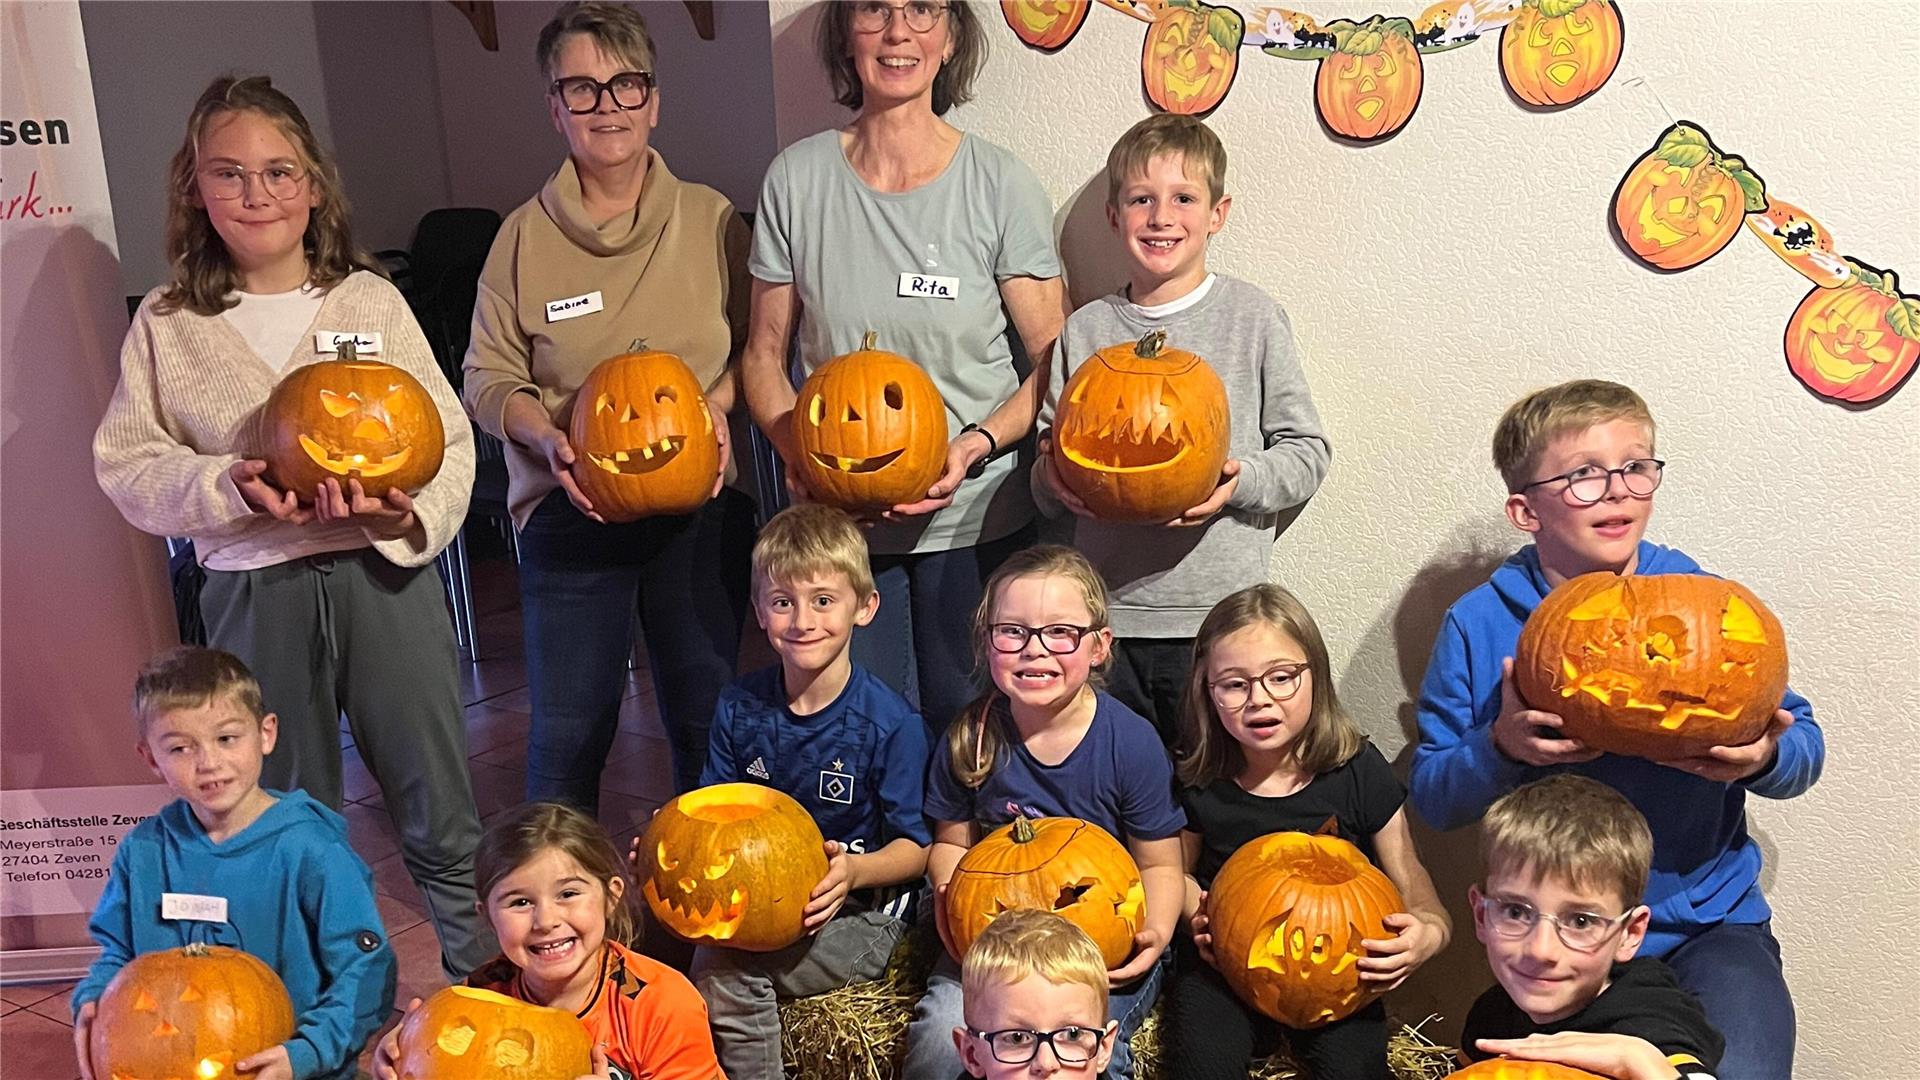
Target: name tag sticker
{"points": [[365, 342], [193, 907], [930, 286], [575, 306]]}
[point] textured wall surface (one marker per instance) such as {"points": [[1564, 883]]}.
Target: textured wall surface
{"points": [[1436, 277]]}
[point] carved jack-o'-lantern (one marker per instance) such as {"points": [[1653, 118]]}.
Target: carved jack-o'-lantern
{"points": [[732, 865], [480, 1035], [1369, 86], [189, 1012], [1556, 52], [643, 437], [1857, 343], [1288, 913], [1142, 431], [1190, 57], [1801, 242], [1515, 1069], [352, 419], [1660, 666], [1684, 200], [1070, 867], [1045, 24], [871, 429]]}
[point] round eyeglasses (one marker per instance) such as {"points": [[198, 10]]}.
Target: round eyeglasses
{"points": [[281, 182], [1062, 638], [1589, 484], [872, 16], [1582, 930], [1235, 692], [1071, 1045], [580, 94]]}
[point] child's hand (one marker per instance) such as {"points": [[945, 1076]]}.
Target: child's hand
{"points": [[248, 476], [1147, 948], [1200, 515], [1390, 960], [1202, 928], [1728, 764], [390, 518], [1623, 1057], [1516, 731], [602, 1070], [83, 1039], [1050, 478], [386, 1052], [832, 891], [269, 1064]]}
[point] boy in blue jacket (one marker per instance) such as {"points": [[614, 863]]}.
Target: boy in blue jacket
{"points": [[231, 863], [1579, 464], [849, 749]]}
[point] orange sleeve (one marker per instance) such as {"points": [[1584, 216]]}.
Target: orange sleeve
{"points": [[663, 1032]]}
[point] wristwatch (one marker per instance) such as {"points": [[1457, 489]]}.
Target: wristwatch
{"points": [[979, 468]]}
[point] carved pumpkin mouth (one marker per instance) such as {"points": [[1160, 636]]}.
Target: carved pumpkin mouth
{"points": [[639, 460], [354, 463], [1119, 455], [856, 465], [719, 920]]}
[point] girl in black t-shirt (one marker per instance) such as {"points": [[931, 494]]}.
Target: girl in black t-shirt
{"points": [[1264, 747]]}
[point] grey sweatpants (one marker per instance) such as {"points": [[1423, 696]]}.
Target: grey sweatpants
{"points": [[351, 632]]}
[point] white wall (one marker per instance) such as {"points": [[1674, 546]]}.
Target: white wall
{"points": [[1436, 277]]}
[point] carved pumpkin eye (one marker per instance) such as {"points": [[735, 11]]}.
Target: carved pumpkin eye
{"points": [[338, 405], [816, 410], [895, 398], [851, 415], [603, 404], [720, 869], [665, 395]]}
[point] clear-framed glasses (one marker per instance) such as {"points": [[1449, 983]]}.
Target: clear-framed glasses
{"points": [[581, 93], [1008, 637], [1072, 1045], [281, 181], [1236, 691], [1582, 930], [1588, 484], [872, 16]]}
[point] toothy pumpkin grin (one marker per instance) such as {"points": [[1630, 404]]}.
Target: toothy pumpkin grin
{"points": [[350, 463], [1121, 455], [644, 459], [718, 921], [856, 465]]}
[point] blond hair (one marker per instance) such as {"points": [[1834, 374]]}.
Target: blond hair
{"points": [[976, 737], [1204, 751], [615, 29], [188, 677], [1202, 156], [1027, 942], [524, 834], [1573, 829], [204, 275], [809, 539], [1537, 419]]}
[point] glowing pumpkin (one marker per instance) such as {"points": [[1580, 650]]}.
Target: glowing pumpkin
{"points": [[1288, 912], [1659, 666], [1046, 25], [1070, 867], [1368, 87], [872, 430], [732, 865], [1142, 431], [1684, 200], [643, 437], [1801, 242], [1190, 57], [352, 419], [480, 1035], [1515, 1069], [1556, 52], [188, 1012], [1857, 343]]}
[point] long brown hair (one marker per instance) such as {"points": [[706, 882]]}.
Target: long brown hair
{"points": [[521, 835], [976, 736], [952, 84], [204, 276], [1205, 752]]}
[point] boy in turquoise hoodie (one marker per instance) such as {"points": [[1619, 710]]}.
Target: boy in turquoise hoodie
{"points": [[231, 863]]}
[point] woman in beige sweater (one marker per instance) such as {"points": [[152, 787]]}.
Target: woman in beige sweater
{"points": [[614, 248], [333, 604]]}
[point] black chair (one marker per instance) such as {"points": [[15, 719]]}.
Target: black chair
{"points": [[449, 249]]}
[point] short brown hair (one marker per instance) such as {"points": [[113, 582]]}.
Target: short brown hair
{"points": [[1027, 942], [1537, 419], [952, 85], [616, 29], [1202, 156], [1571, 828], [188, 677], [522, 834], [807, 539]]}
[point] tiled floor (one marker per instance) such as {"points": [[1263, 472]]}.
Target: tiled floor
{"points": [[36, 1039]]}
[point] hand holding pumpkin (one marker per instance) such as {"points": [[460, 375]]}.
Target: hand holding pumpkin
{"points": [[386, 1052], [1216, 502], [1050, 479], [602, 1068], [248, 475], [389, 519], [1623, 1057], [832, 891], [1147, 948], [82, 1037], [554, 446], [1202, 929], [1517, 730], [273, 1063], [1390, 960], [962, 452], [1729, 764]]}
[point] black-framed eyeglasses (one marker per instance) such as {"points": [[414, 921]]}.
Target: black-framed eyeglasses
{"points": [[1583, 931], [1072, 1045], [1589, 484], [223, 182], [1236, 691], [1060, 638], [581, 93], [872, 16]]}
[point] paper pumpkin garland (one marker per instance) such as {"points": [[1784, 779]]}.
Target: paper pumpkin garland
{"points": [[351, 419], [1856, 342], [1684, 200], [481, 1035], [189, 1012], [1046, 25], [1190, 56], [1070, 867], [1368, 87], [643, 437], [1556, 52], [732, 865]]}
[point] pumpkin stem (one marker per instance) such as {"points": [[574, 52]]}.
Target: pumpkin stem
{"points": [[1023, 825], [1149, 346], [199, 948], [869, 340], [345, 350], [638, 344]]}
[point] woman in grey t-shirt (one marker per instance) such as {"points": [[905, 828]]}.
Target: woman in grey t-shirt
{"points": [[941, 243]]}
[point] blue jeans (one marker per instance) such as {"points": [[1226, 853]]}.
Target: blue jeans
{"points": [[1734, 969], [579, 584], [920, 643]]}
